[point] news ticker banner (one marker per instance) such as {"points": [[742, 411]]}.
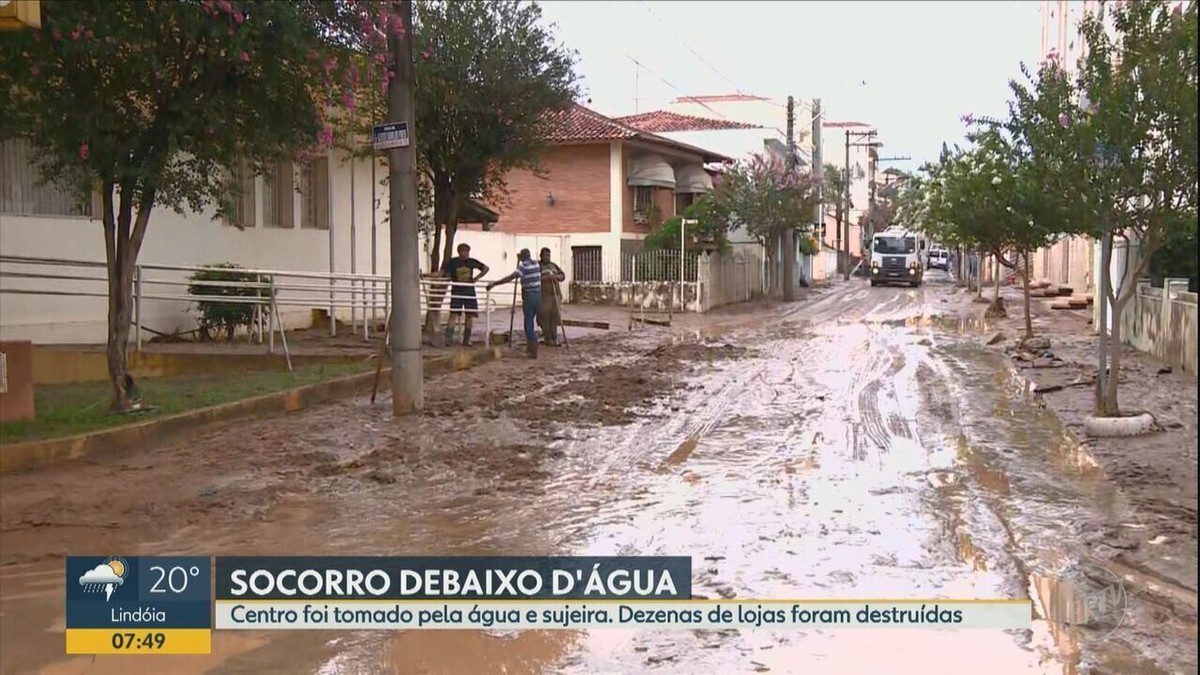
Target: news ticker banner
{"points": [[171, 605]]}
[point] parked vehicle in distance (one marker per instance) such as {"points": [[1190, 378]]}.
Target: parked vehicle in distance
{"points": [[895, 258], [939, 258]]}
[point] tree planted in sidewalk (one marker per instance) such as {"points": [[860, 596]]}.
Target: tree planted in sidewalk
{"points": [[153, 104], [766, 197], [834, 191], [1135, 146]]}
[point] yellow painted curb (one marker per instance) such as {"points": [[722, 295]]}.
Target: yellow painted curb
{"points": [[36, 454]]}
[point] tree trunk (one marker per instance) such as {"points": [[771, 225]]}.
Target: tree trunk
{"points": [[996, 271], [436, 293], [123, 235], [451, 225], [789, 265], [979, 274], [436, 247], [1111, 404], [1025, 289]]}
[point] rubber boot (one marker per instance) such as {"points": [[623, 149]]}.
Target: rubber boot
{"points": [[531, 349], [448, 338], [466, 337]]}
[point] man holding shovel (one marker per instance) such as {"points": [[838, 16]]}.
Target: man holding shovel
{"points": [[549, 313], [530, 274]]}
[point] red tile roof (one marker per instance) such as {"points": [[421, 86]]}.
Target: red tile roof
{"points": [[662, 121], [578, 124], [720, 98]]}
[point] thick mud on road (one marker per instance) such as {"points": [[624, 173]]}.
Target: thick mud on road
{"points": [[858, 445]]}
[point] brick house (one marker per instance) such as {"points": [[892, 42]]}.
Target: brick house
{"points": [[604, 184]]}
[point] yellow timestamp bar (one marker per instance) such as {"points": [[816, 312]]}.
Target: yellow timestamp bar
{"points": [[130, 641]]}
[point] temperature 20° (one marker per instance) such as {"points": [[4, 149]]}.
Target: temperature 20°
{"points": [[176, 578]]}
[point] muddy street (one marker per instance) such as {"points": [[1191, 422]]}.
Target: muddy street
{"points": [[863, 443]]}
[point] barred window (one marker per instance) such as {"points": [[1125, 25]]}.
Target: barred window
{"points": [[22, 191], [314, 194], [279, 187], [241, 201]]}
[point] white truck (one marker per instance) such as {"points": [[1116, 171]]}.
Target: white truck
{"points": [[896, 258]]}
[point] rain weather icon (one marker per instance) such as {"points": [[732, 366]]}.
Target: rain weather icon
{"points": [[106, 576]]}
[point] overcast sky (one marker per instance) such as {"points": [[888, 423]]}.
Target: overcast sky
{"points": [[910, 68]]}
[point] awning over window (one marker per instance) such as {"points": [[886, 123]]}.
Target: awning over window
{"points": [[692, 178], [651, 171]]}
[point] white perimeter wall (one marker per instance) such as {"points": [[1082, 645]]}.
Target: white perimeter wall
{"points": [[196, 239]]}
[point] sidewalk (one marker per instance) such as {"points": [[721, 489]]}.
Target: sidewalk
{"points": [[1156, 473]]}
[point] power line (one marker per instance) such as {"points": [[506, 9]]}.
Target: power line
{"points": [[677, 89], [689, 47], [737, 88]]}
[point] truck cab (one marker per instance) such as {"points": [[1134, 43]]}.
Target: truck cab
{"points": [[896, 258]]}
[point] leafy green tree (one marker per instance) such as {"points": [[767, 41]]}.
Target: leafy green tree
{"points": [[1133, 156], [151, 104], [487, 74], [834, 191], [710, 229]]}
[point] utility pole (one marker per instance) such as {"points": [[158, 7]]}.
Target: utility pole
{"points": [[818, 172], [408, 386], [845, 224], [871, 143], [789, 229]]}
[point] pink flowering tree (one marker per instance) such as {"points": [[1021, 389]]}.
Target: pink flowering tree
{"points": [[763, 196], [149, 105]]}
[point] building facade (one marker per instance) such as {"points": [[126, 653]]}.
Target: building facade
{"points": [[605, 185]]}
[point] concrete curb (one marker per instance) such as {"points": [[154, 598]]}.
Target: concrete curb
{"points": [[36, 454]]}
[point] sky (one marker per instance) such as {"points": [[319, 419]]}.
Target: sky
{"points": [[912, 69]]}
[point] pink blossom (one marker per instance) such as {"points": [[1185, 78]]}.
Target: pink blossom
{"points": [[426, 55], [57, 35], [224, 6], [968, 119], [83, 151], [89, 34], [1064, 120], [245, 57], [238, 17], [326, 137], [330, 64]]}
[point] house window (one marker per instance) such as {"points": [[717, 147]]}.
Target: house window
{"points": [[682, 201], [314, 194], [643, 200], [278, 194], [22, 192], [239, 199]]}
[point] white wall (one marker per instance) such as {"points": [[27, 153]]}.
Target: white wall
{"points": [[193, 239], [498, 250]]}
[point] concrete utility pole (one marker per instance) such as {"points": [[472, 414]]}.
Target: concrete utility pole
{"points": [[871, 143], [818, 172], [408, 386], [845, 224], [789, 230]]}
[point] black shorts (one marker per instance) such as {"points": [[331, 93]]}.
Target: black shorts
{"points": [[464, 304]]}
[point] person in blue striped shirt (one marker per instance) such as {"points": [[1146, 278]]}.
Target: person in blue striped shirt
{"points": [[529, 272]]}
